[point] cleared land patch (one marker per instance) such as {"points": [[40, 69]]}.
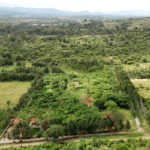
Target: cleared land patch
{"points": [[143, 86], [140, 66], [12, 91]]}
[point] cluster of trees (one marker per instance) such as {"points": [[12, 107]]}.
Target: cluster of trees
{"points": [[20, 73], [85, 65], [135, 102], [6, 59], [116, 47], [22, 130], [139, 73]]}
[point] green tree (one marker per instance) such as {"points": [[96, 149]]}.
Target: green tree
{"points": [[54, 132], [120, 123], [133, 147], [81, 145], [122, 146], [128, 126], [22, 128], [8, 102], [148, 145], [89, 147], [111, 106]]}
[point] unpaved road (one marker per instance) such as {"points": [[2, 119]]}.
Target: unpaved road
{"points": [[71, 140]]}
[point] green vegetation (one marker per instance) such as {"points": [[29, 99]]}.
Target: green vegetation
{"points": [[141, 85], [11, 91], [79, 79], [129, 144]]}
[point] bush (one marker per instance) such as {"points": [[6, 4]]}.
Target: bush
{"points": [[122, 146], [89, 147], [148, 145], [132, 147], [81, 145], [94, 142], [141, 86], [72, 75], [39, 135], [95, 68], [109, 143], [18, 58], [55, 69], [113, 146], [8, 61], [46, 70]]}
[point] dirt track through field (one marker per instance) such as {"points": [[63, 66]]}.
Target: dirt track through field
{"points": [[60, 141]]}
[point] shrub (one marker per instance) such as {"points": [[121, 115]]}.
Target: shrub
{"points": [[94, 142], [18, 58], [144, 60], [122, 146], [39, 135], [113, 146], [55, 69], [137, 64], [148, 145], [8, 61], [128, 126], [89, 147], [109, 143], [72, 75], [95, 68], [132, 147], [46, 70], [81, 145], [141, 86], [100, 142]]}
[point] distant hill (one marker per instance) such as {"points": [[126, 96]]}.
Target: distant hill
{"points": [[41, 11], [55, 12]]}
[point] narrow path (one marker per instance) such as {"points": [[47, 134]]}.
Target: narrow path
{"points": [[64, 137], [71, 140]]}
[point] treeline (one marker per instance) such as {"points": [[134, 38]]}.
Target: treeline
{"points": [[139, 73], [20, 73], [135, 102], [87, 27], [87, 65], [70, 29]]}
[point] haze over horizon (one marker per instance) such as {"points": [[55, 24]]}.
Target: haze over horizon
{"points": [[78, 5]]}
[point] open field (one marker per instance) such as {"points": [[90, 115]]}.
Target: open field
{"points": [[141, 65], [12, 91], [143, 86]]}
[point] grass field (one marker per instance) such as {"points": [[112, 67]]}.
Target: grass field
{"points": [[141, 65], [12, 91], [143, 86]]}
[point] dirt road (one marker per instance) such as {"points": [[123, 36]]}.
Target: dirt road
{"points": [[70, 140]]}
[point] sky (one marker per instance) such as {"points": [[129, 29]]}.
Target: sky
{"points": [[82, 5]]}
